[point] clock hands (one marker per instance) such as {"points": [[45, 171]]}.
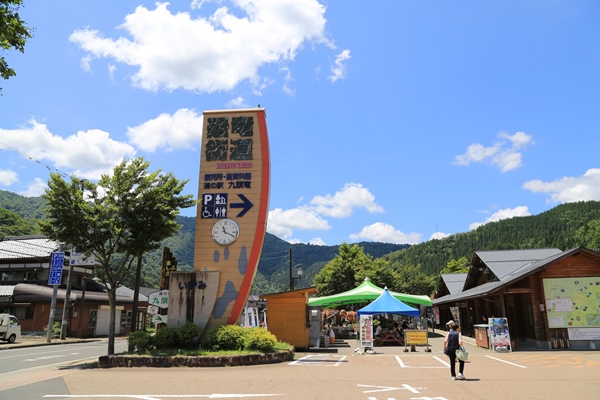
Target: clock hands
{"points": [[227, 233]]}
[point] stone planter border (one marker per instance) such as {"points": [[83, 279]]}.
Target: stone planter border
{"points": [[191, 361]]}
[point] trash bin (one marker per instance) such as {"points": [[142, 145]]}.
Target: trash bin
{"points": [[482, 335]]}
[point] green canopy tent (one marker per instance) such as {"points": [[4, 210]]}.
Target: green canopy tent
{"points": [[363, 293]]}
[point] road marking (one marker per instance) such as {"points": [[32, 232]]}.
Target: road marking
{"points": [[406, 366], [308, 362], [507, 362], [388, 388], [161, 396], [442, 361]]}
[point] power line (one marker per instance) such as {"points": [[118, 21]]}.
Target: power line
{"points": [[28, 157]]}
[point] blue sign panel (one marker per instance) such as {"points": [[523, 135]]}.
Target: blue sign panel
{"points": [[56, 268]]}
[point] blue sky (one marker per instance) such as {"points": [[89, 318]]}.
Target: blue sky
{"points": [[396, 121]]}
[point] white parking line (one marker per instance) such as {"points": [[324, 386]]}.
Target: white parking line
{"points": [[507, 362], [318, 362], [406, 366]]}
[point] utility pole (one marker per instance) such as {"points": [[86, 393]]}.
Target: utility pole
{"points": [[65, 315], [291, 276]]}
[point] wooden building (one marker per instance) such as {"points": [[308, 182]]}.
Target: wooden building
{"points": [[25, 292], [550, 297], [287, 316]]}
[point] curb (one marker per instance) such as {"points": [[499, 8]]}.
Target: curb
{"points": [[207, 361]]}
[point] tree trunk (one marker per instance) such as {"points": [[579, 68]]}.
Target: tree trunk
{"points": [[136, 293], [112, 301]]}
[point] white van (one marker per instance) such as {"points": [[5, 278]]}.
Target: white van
{"points": [[10, 329]]}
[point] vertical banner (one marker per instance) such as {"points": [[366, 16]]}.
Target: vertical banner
{"points": [[366, 331], [436, 314], [455, 311], [231, 217]]}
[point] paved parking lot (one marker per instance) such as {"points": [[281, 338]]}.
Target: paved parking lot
{"points": [[389, 374]]}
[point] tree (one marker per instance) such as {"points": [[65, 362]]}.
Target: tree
{"points": [[340, 274], [379, 272], [13, 33], [589, 235], [411, 280], [459, 266], [120, 218]]}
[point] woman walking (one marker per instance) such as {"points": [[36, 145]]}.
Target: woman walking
{"points": [[452, 343]]}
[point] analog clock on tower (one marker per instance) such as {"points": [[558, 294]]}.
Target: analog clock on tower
{"points": [[225, 232]]}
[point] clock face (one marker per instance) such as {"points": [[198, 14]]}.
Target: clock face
{"points": [[225, 232]]}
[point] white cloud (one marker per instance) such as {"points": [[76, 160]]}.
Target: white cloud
{"points": [[343, 202], [288, 78], [8, 177], [87, 154], [207, 54], [182, 130], [238, 102], [381, 232], [339, 70], [503, 154], [281, 223], [35, 189], [111, 71], [317, 242], [520, 211], [569, 189], [439, 235]]}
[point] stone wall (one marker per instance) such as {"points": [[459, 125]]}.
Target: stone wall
{"points": [[208, 361]]}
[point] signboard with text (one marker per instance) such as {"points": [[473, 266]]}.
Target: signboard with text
{"points": [[233, 205], [56, 268], [159, 299]]}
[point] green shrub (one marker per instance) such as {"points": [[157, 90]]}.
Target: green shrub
{"points": [[166, 338], [226, 337], [188, 335], [139, 341], [259, 339], [55, 329]]}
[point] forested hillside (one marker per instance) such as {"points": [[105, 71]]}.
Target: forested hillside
{"points": [[564, 227], [273, 270]]}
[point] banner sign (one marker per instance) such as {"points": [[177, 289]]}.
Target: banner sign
{"points": [[499, 334], [366, 331], [415, 337]]}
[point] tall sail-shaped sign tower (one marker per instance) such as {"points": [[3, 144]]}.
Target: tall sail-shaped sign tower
{"points": [[231, 220]]}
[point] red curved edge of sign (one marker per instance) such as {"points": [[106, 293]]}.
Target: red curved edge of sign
{"points": [[261, 229]]}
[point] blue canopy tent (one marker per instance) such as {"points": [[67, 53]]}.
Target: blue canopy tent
{"points": [[388, 304]]}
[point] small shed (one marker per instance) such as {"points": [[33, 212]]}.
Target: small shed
{"points": [[287, 316]]}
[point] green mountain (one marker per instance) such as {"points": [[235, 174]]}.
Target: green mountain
{"points": [[20, 213], [564, 227]]}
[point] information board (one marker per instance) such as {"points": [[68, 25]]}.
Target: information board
{"points": [[573, 302]]}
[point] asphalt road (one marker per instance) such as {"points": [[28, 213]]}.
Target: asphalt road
{"points": [[389, 374]]}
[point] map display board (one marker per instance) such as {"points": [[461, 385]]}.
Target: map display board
{"points": [[573, 302]]}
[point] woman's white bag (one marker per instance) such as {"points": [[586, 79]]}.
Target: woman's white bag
{"points": [[462, 354]]}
